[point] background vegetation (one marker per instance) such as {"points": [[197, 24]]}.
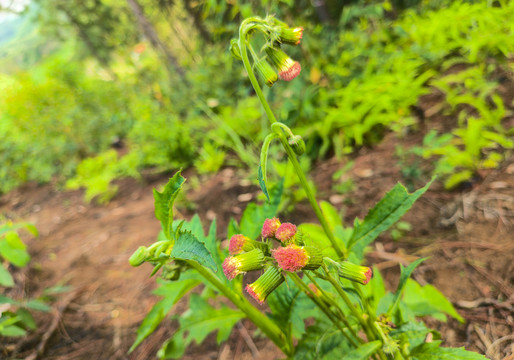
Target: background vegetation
{"points": [[96, 90]]}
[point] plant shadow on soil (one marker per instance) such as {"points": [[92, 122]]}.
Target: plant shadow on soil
{"points": [[467, 233]]}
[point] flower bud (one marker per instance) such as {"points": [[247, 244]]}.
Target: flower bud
{"points": [[269, 227], [297, 144], [294, 258], [287, 68], [234, 49], [139, 256], [290, 36], [248, 261], [240, 243], [265, 284], [265, 72], [285, 232], [360, 274]]}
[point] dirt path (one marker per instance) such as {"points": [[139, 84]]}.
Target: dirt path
{"points": [[469, 236]]}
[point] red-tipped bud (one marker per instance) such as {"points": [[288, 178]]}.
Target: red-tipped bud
{"points": [[285, 232], [240, 243], [357, 273], [265, 284], [287, 68], [291, 36], [269, 227], [294, 258], [235, 265]]}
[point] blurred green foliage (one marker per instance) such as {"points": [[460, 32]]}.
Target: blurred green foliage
{"points": [[90, 88]]}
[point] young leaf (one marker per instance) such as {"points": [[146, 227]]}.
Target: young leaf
{"points": [[187, 247], [321, 342], [6, 279], [384, 214], [264, 162], [405, 274], [12, 249], [364, 351], [172, 292], [432, 351], [427, 300], [164, 202]]}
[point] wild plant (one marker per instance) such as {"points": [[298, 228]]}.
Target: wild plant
{"points": [[308, 273]]}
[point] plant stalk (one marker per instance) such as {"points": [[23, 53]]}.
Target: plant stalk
{"points": [[266, 325], [243, 43]]}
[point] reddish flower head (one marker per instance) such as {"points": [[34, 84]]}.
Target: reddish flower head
{"points": [[285, 232], [287, 68], [269, 227], [237, 243], [231, 267], [291, 258]]}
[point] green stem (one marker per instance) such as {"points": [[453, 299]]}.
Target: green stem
{"points": [[243, 43], [266, 325], [312, 199], [323, 307], [278, 125], [341, 316]]}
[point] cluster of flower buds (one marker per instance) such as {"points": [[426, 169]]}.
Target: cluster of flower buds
{"points": [[291, 255], [143, 253], [276, 33]]}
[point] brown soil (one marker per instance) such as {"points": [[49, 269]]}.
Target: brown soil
{"points": [[467, 233]]}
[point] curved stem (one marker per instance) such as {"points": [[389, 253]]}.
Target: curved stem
{"points": [[266, 325], [243, 42], [278, 125]]}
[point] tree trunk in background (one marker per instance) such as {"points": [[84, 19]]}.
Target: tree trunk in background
{"points": [[87, 41], [198, 22], [152, 36]]}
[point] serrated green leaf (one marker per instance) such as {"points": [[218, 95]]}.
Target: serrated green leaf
{"points": [[405, 274], [432, 351], [413, 332], [172, 292], [187, 247], [290, 307], [321, 342], [196, 323], [364, 351], [384, 214], [164, 202], [427, 300], [5, 277]]}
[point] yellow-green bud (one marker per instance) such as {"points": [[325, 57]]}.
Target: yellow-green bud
{"points": [[139, 256], [234, 49]]}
